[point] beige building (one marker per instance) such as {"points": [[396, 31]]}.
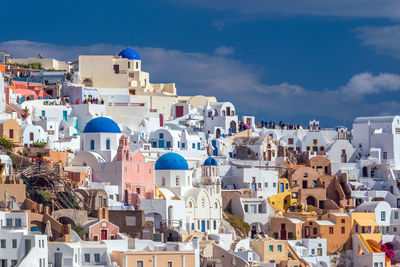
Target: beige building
{"points": [[47, 63], [122, 71], [10, 129], [275, 251]]}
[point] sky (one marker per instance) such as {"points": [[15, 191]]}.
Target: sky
{"points": [[289, 60]]}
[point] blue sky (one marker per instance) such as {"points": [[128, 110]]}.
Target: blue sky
{"points": [[279, 60]]}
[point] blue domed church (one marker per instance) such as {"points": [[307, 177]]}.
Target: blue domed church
{"points": [[202, 203]]}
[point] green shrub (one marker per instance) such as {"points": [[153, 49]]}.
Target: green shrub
{"points": [[6, 143], [237, 223], [40, 144]]}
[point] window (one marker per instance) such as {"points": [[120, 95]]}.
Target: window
{"points": [[260, 208], [43, 113], [396, 214], [92, 144], [137, 65], [17, 222], [183, 145], [274, 185], [169, 264], [161, 136], [290, 141], [97, 257], [315, 230], [312, 251], [14, 263], [342, 230], [308, 148], [279, 248], [315, 141], [331, 230], [116, 68], [154, 144], [322, 148], [162, 181], [11, 134], [305, 174], [108, 144], [343, 220], [177, 181], [266, 185], [87, 257], [259, 185], [3, 243], [31, 137], [319, 251], [9, 222], [168, 144], [246, 208], [271, 248], [193, 145], [383, 216], [384, 155], [395, 229], [139, 264], [14, 243], [215, 225]]}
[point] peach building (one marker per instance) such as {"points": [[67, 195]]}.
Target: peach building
{"points": [[147, 253], [10, 129], [286, 228], [335, 227]]}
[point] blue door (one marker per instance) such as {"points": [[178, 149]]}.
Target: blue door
{"points": [[203, 226], [65, 115], [282, 188], [161, 144]]}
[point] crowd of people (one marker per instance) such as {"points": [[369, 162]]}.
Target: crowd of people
{"points": [[280, 125], [89, 100]]}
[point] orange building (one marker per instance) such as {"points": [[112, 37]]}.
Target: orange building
{"points": [[335, 227]]}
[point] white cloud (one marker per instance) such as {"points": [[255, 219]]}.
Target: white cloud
{"points": [[224, 50], [384, 40], [241, 83], [340, 8], [367, 83]]}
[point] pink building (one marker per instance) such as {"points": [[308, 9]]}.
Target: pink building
{"points": [[137, 174], [101, 229]]}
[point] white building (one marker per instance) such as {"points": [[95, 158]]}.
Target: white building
{"points": [[18, 246], [203, 204], [312, 250], [220, 118]]}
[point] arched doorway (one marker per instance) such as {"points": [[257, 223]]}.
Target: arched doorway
{"points": [[217, 133], [66, 220], [88, 82], [233, 126], [310, 200], [155, 218]]}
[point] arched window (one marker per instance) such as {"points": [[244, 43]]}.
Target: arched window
{"points": [[108, 143], [91, 144]]}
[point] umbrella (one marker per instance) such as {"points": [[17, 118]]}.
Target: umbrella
{"points": [[47, 230]]}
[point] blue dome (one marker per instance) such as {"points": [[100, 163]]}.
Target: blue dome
{"points": [[102, 125], [171, 161], [129, 53], [210, 162]]}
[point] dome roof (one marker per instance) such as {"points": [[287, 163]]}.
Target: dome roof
{"points": [[171, 161], [129, 53], [210, 162], [102, 125]]}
